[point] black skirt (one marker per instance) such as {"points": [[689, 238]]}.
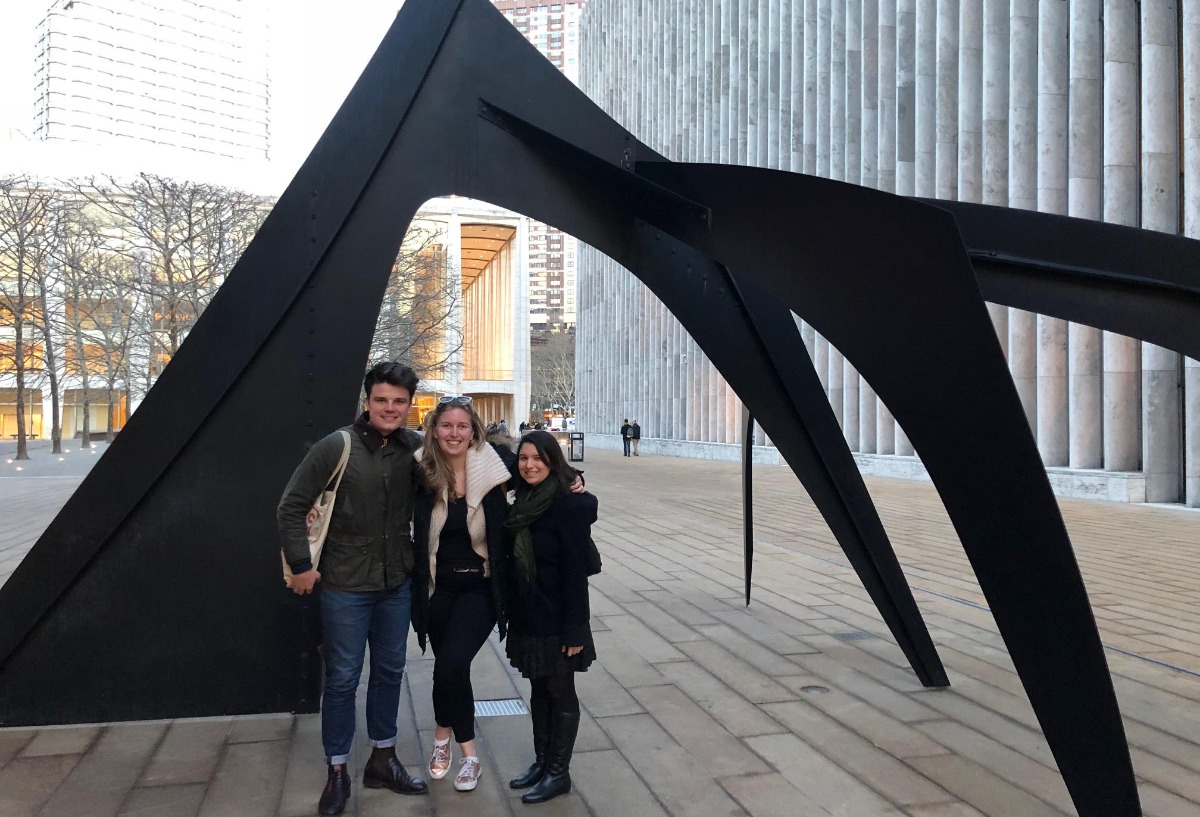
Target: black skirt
{"points": [[540, 656]]}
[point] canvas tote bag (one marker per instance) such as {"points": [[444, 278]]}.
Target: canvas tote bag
{"points": [[321, 511]]}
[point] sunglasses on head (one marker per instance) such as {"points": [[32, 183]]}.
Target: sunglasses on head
{"points": [[461, 400]]}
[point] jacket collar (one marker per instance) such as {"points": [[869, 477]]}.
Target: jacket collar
{"points": [[373, 440], [485, 470]]}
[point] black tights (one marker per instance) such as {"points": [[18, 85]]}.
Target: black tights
{"points": [[556, 692], [461, 616]]}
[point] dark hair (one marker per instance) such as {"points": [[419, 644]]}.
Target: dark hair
{"points": [[392, 373], [551, 453]]}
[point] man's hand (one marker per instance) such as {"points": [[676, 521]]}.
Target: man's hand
{"points": [[572, 651], [577, 485], [303, 583]]}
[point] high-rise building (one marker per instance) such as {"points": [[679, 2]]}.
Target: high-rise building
{"points": [[189, 75], [553, 27]]}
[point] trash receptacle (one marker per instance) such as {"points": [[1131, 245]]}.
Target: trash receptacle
{"points": [[575, 447]]}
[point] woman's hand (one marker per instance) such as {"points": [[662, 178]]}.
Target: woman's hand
{"points": [[572, 651]]}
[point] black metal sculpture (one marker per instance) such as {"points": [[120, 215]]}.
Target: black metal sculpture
{"points": [[155, 592]]}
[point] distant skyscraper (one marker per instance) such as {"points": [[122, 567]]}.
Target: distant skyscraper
{"points": [[553, 27], [177, 75]]}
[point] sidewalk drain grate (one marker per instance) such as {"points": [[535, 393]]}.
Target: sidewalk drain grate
{"points": [[502, 706], [857, 635]]}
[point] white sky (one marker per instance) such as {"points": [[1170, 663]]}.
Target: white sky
{"points": [[318, 49]]}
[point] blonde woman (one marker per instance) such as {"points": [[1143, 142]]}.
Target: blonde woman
{"points": [[459, 534]]}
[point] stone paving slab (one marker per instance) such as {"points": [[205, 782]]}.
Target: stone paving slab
{"points": [[800, 704]]}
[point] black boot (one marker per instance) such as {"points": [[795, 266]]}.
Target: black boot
{"points": [[539, 710], [557, 779], [336, 793], [384, 771]]}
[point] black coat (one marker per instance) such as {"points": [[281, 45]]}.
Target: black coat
{"points": [[556, 603], [495, 512]]}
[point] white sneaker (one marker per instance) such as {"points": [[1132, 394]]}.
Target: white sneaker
{"points": [[439, 761], [468, 774]]}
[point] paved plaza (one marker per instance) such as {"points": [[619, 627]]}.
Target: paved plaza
{"points": [[800, 704]]}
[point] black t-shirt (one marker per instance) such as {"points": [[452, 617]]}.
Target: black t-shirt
{"points": [[454, 543]]}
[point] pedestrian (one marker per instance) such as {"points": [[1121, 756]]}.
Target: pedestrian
{"points": [[364, 576], [503, 427], [459, 531], [625, 438], [550, 637], [635, 434]]}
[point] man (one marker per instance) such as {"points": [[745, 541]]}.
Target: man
{"points": [[625, 435], [365, 569], [635, 434]]}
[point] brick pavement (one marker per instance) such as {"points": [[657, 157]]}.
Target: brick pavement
{"points": [[797, 705]]}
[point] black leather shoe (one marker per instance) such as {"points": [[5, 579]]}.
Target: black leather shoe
{"points": [[550, 786], [384, 771], [336, 794], [530, 776]]}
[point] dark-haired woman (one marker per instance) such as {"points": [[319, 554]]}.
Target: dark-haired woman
{"points": [[459, 536], [550, 638]]}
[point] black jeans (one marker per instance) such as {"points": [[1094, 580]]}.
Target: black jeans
{"points": [[461, 615], [626, 441]]}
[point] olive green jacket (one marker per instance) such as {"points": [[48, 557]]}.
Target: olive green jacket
{"points": [[369, 545]]}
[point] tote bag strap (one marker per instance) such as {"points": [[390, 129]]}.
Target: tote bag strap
{"points": [[340, 471]]}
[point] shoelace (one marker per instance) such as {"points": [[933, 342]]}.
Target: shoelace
{"points": [[468, 769], [441, 757]]}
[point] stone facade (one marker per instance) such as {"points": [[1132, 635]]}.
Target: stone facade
{"points": [[1089, 108]]}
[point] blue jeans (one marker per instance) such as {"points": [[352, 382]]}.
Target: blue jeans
{"points": [[350, 621]]}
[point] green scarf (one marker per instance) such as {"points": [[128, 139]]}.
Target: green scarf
{"points": [[528, 508]]}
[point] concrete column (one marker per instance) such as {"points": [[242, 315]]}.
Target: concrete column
{"points": [[783, 39], [1085, 397], [995, 102], [869, 177], [885, 82], [1161, 401], [970, 101], [868, 417], [926, 94], [1122, 355], [824, 65], [1191, 228], [850, 404], [1022, 105], [836, 385], [1022, 360], [854, 94], [837, 90], [1053, 72], [811, 28], [1022, 185], [1191, 387], [994, 127], [754, 109], [946, 150], [906, 97], [769, 66]]}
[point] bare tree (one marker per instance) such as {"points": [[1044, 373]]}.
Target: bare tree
{"points": [[24, 218], [552, 360], [182, 239], [422, 295], [96, 315]]}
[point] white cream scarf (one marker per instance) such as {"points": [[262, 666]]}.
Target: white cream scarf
{"points": [[485, 470]]}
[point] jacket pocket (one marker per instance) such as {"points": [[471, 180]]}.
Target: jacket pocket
{"points": [[347, 564]]}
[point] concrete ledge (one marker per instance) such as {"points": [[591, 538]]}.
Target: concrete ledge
{"points": [[763, 454], [1111, 486]]}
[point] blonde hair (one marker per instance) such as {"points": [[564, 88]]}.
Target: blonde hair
{"points": [[439, 473]]}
